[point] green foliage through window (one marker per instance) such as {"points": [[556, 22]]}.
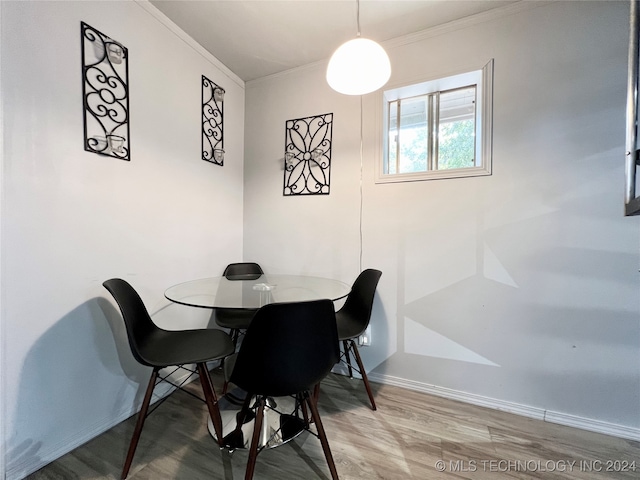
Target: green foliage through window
{"points": [[440, 128], [456, 144]]}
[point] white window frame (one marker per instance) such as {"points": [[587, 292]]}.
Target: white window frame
{"points": [[483, 79]]}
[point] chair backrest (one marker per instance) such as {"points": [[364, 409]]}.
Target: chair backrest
{"points": [[359, 302], [288, 348], [136, 317], [243, 271]]}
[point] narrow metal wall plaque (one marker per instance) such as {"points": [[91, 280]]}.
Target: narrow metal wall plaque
{"points": [[105, 94], [212, 122]]}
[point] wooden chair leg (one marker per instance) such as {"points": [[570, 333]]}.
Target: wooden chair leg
{"points": [[365, 379], [140, 423], [316, 393], [322, 436], [315, 397], [211, 400], [253, 450], [345, 345]]}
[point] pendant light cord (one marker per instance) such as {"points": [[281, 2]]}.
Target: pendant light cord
{"points": [[361, 168], [361, 151]]}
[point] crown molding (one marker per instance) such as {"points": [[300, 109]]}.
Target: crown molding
{"points": [[177, 31]]}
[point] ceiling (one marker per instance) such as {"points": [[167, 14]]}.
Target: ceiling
{"points": [[256, 38]]}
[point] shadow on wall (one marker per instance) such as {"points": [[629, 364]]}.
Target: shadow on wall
{"points": [[72, 386], [546, 318]]}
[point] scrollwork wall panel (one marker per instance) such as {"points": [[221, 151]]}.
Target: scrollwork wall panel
{"points": [[307, 155], [212, 122], [105, 93]]}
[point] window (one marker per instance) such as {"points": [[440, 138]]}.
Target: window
{"points": [[438, 129]]}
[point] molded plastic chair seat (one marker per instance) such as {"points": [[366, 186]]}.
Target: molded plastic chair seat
{"points": [[234, 318], [353, 319], [349, 326], [287, 350], [158, 348], [180, 347], [243, 271]]}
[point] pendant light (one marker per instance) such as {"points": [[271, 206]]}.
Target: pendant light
{"points": [[358, 66]]}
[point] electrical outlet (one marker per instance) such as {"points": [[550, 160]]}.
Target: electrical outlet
{"points": [[364, 340]]}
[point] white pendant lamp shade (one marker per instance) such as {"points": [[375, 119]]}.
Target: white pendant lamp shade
{"points": [[358, 67]]}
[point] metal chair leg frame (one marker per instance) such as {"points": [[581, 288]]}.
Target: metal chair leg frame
{"points": [[303, 407], [345, 344]]}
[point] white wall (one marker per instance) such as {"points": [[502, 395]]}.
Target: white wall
{"points": [[519, 290], [72, 219]]}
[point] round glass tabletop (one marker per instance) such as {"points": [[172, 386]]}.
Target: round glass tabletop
{"points": [[255, 291]]}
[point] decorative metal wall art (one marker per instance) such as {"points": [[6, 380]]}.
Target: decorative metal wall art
{"points": [[307, 157], [105, 94], [212, 116]]}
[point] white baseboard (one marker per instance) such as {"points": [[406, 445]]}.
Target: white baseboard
{"points": [[559, 418], [593, 425]]}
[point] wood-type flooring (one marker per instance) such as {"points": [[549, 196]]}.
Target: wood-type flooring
{"points": [[411, 436]]}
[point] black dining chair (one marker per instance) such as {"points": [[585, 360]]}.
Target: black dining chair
{"points": [[159, 348], [353, 319], [287, 350], [237, 319]]}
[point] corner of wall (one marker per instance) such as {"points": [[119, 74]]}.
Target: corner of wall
{"points": [[2, 349]]}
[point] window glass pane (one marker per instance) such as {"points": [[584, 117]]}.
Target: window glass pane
{"points": [[392, 157], [414, 134], [440, 128], [457, 129]]}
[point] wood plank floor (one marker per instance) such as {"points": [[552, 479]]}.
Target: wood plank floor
{"points": [[411, 436]]}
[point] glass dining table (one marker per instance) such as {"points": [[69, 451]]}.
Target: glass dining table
{"points": [[254, 291], [281, 422]]}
